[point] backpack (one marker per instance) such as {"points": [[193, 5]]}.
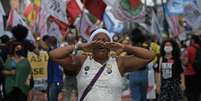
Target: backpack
{"points": [[197, 61]]}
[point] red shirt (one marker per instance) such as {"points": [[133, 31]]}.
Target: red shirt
{"points": [[191, 52]]}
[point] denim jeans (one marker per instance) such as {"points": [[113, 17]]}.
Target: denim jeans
{"points": [[138, 82], [70, 87], [53, 91]]}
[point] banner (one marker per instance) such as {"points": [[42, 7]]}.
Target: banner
{"points": [[39, 69]]}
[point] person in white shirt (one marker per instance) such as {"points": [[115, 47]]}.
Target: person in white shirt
{"points": [[109, 85]]}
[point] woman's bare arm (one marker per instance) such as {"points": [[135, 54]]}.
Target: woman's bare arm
{"points": [[64, 57], [139, 57]]}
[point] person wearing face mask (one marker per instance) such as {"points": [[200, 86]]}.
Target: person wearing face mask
{"points": [[16, 70], [170, 77]]}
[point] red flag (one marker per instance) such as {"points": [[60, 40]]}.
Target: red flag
{"points": [[134, 3], [95, 7], [28, 9], [62, 25], [73, 11]]}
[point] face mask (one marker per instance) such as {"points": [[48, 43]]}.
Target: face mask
{"points": [[20, 52], [168, 49]]}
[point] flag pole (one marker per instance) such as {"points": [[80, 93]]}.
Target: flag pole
{"points": [[165, 23]]}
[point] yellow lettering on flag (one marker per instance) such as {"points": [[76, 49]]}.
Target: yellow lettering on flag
{"points": [[39, 64]]}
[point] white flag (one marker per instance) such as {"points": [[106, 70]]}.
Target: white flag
{"points": [[85, 26], [111, 23], [56, 8], [41, 22], [53, 30], [15, 19]]}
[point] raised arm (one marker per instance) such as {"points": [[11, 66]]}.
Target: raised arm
{"points": [[61, 53], [139, 58], [69, 61], [64, 57]]}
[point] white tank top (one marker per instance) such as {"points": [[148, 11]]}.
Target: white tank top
{"points": [[108, 87]]}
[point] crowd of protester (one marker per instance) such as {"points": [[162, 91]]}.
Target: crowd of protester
{"points": [[174, 74]]}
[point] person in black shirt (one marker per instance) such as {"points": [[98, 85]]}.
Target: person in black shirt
{"points": [[170, 77]]}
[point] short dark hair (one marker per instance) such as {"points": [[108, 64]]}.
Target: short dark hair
{"points": [[45, 37], [4, 38], [52, 40], [196, 39], [20, 32], [137, 36]]}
